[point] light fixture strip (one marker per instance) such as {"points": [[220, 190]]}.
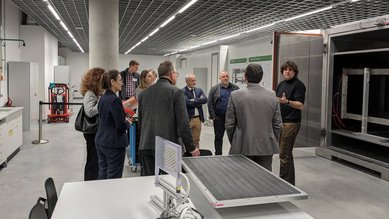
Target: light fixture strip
{"points": [[187, 6], [265, 26], [309, 13], [163, 24], [63, 25], [168, 21], [54, 12]]}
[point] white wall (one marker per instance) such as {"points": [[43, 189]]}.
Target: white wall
{"points": [[79, 63], [12, 50], [42, 48]]}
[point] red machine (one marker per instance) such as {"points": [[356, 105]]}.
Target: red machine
{"points": [[58, 97]]}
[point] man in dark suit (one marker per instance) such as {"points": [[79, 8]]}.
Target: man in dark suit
{"points": [[130, 78], [162, 112], [194, 98]]}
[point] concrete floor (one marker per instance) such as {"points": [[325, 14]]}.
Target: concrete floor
{"points": [[335, 190]]}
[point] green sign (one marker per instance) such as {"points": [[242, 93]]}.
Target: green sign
{"points": [[260, 58], [240, 60]]}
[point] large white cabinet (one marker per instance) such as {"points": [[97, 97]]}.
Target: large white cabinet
{"points": [[11, 134], [23, 84]]}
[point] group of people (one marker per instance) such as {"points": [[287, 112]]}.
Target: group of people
{"points": [[259, 122]]}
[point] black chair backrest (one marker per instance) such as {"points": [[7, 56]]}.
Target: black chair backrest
{"points": [[52, 197], [38, 212]]}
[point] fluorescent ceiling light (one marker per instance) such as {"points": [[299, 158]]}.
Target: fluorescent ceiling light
{"points": [[64, 26], [138, 44], [144, 39], [354, 0], [187, 6], [228, 37], [309, 13], [152, 33], [70, 34], [314, 31], [210, 42], [168, 20], [54, 12], [258, 28]]}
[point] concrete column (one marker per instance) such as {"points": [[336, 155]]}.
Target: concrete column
{"points": [[104, 34]]}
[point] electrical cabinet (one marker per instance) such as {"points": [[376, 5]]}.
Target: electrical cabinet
{"points": [[23, 79], [355, 96]]}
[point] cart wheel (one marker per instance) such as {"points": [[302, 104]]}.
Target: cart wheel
{"points": [[48, 120], [67, 120], [134, 169]]}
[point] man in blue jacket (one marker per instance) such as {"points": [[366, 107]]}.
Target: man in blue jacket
{"points": [[217, 106], [194, 99]]}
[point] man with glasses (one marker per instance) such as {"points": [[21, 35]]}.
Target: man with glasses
{"points": [[162, 112]]}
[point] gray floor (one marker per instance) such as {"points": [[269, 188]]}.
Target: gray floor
{"points": [[335, 190]]}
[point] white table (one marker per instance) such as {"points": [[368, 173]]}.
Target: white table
{"points": [[130, 198]]}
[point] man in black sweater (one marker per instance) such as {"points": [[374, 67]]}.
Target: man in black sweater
{"points": [[291, 95]]}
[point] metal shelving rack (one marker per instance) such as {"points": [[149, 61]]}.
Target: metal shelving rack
{"points": [[355, 92]]}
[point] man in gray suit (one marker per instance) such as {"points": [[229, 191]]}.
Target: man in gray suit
{"points": [[253, 120], [162, 112]]}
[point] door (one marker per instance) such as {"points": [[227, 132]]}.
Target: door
{"points": [[306, 50]]}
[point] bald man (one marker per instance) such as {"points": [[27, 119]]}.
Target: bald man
{"points": [[217, 106], [194, 99]]}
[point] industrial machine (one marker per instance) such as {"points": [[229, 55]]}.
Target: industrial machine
{"points": [[58, 98], [355, 95]]}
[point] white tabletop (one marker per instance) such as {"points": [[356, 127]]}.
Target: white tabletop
{"points": [[130, 198], [103, 199]]}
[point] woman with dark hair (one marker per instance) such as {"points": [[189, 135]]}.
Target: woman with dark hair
{"points": [[111, 137], [91, 90]]}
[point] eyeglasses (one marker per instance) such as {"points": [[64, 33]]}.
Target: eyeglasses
{"points": [[178, 74]]}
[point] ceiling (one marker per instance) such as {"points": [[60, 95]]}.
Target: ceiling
{"points": [[204, 21]]}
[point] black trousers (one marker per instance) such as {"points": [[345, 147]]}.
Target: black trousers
{"points": [[219, 128], [111, 162], [264, 160], [91, 171], [147, 161]]}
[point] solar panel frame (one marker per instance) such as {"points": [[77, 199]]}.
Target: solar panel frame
{"points": [[235, 180]]}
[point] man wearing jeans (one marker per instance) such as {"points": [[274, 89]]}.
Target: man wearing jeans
{"points": [[217, 106], [291, 95]]}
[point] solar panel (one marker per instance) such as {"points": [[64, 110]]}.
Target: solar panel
{"points": [[229, 181]]}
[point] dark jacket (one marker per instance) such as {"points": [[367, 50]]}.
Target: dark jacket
{"points": [[214, 97], [112, 124], [196, 102], [162, 112], [122, 93]]}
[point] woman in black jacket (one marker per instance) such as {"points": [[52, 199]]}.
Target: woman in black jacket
{"points": [[111, 137]]}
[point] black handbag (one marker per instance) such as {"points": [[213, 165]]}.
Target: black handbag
{"points": [[85, 124]]}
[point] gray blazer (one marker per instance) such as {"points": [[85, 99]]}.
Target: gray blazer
{"points": [[90, 103], [162, 112], [253, 121]]}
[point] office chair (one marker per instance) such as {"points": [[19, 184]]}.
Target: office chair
{"points": [[38, 211], [51, 194]]}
